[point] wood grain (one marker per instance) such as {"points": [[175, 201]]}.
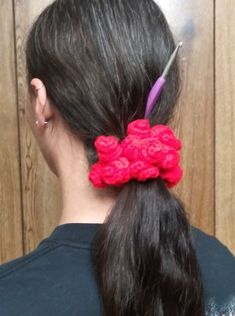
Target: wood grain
{"points": [[225, 122], [10, 197], [192, 22], [40, 187]]}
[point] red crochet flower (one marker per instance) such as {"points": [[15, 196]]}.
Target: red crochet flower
{"points": [[117, 172], [151, 150], [172, 177], [144, 153], [170, 158], [139, 128], [166, 136], [114, 173], [107, 148], [95, 176], [142, 171]]}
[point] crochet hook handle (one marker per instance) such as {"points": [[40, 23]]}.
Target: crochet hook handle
{"points": [[159, 84], [154, 95]]}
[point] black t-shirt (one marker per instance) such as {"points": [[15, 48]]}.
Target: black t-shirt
{"points": [[57, 278]]}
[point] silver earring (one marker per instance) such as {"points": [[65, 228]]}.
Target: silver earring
{"points": [[45, 123]]}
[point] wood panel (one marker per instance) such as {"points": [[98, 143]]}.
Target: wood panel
{"points": [[192, 22], [225, 122], [10, 197], [40, 187]]}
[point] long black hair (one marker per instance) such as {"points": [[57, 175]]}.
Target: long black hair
{"points": [[98, 60]]}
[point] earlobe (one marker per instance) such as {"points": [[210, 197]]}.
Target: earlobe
{"points": [[45, 123]]}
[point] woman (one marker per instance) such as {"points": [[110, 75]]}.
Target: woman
{"points": [[123, 245]]}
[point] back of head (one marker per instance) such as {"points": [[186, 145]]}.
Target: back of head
{"points": [[98, 60]]}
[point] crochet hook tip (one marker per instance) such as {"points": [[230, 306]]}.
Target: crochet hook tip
{"points": [[171, 60]]}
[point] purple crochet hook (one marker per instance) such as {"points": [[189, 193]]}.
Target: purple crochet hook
{"points": [[159, 84]]}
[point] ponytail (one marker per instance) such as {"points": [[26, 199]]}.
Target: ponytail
{"points": [[144, 257]]}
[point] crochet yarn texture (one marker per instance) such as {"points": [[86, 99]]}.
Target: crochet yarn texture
{"points": [[146, 152]]}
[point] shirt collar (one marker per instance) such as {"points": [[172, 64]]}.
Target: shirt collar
{"points": [[82, 233]]}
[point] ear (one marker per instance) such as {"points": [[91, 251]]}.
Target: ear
{"points": [[42, 108]]}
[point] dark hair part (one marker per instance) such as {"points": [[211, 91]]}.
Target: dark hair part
{"points": [[98, 60]]}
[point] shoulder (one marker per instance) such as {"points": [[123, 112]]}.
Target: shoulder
{"points": [[46, 255], [19, 263], [208, 247], [58, 275], [217, 265]]}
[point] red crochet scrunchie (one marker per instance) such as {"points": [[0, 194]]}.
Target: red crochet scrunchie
{"points": [[143, 154]]}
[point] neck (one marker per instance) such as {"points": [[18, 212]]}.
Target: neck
{"points": [[81, 202]]}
